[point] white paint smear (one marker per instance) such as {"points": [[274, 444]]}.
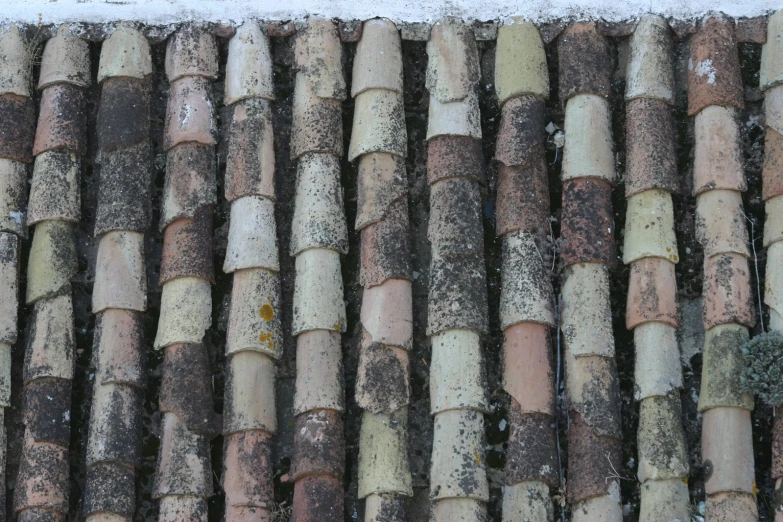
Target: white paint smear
{"points": [[234, 11]]}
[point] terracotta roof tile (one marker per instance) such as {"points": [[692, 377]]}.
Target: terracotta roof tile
{"points": [[13, 197], [729, 456], [651, 162], [732, 506], [387, 314], [458, 508], [123, 117], [665, 499], [663, 453], [317, 122], [185, 311], [382, 377], [381, 181], [191, 52], [650, 72], [66, 60], [378, 60], [10, 254], [250, 375], [125, 54], [455, 217], [50, 343], [247, 463], [526, 289], [717, 162], [42, 481], [773, 108], [249, 65], [318, 281], [378, 124], [190, 115], [252, 241], [773, 226], [594, 394], [15, 70], [523, 197], [656, 343], [115, 425], [120, 276], [727, 294], [55, 193], [587, 224], [250, 163], [772, 176], [751, 30], [652, 293], [532, 449], [119, 348], [318, 444], [453, 65], [649, 227], [61, 120], [255, 317], [52, 261], [771, 72], [318, 56], [175, 508], [591, 458], [319, 383], [520, 62], [458, 294], [586, 317], [458, 433], [517, 504], [45, 407], [723, 363], [713, 67], [457, 381], [183, 462], [528, 364], [585, 61], [124, 191], [17, 127], [521, 135], [588, 149], [379, 505], [190, 182], [187, 248], [773, 285], [318, 498], [454, 157], [720, 223], [383, 454], [459, 118], [109, 488]]}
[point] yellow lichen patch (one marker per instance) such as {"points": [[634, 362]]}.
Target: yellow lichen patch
{"points": [[755, 489], [476, 456], [267, 312], [264, 337]]}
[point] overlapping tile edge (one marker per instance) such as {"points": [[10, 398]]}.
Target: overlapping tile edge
{"points": [[651, 263]]}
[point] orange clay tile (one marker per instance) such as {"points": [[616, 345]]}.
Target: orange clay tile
{"points": [[250, 164], [317, 124], [187, 248], [115, 426], [652, 293], [191, 52], [17, 127], [382, 377], [532, 448], [455, 217], [124, 114], [521, 134], [727, 293], [190, 182], [110, 491], [523, 197], [587, 223], [727, 450], [119, 351], [454, 157], [124, 191], [61, 120], [527, 364], [717, 158], [183, 463], [772, 176], [457, 294], [247, 480], [751, 30], [318, 56], [591, 459], [43, 477], [732, 507], [190, 114], [318, 498], [382, 180], [650, 155], [319, 447], [186, 388], [46, 406], [585, 61], [385, 248], [594, 393], [713, 67], [387, 313]]}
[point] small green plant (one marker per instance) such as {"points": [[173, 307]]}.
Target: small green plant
{"points": [[763, 373]]}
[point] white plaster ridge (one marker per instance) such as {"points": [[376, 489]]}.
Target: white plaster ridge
{"points": [[233, 11]]}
